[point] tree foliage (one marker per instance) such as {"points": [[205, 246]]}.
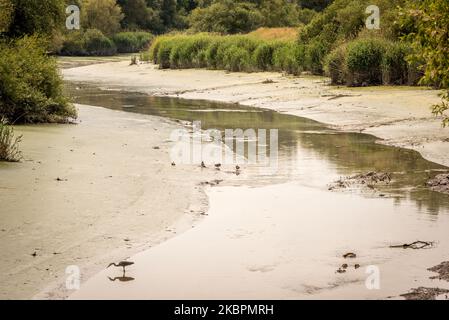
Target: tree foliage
{"points": [[6, 10], [226, 16], [30, 85], [428, 21], [103, 15], [27, 17]]}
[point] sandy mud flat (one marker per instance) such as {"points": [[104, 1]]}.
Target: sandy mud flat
{"points": [[88, 194], [255, 237], [119, 164], [400, 116]]}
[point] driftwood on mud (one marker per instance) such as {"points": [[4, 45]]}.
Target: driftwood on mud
{"points": [[414, 245]]}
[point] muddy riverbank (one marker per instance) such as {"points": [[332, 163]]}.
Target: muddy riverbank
{"points": [[90, 193], [400, 116], [108, 183], [390, 113]]}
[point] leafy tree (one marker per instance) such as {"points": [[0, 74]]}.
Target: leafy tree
{"points": [[31, 89], [104, 15], [226, 16], [279, 13], [317, 5], [138, 15], [6, 10], [430, 38], [33, 16]]}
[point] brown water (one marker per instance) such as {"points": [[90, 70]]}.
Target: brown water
{"points": [[282, 235], [309, 152]]}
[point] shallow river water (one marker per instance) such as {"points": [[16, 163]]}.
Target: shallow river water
{"points": [[282, 233]]}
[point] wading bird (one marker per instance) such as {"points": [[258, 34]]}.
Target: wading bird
{"points": [[122, 264]]}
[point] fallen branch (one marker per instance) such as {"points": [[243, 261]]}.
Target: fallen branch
{"points": [[415, 245]]}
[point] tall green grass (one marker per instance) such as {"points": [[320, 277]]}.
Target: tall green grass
{"points": [[233, 53], [371, 61], [93, 42], [366, 60], [131, 42]]}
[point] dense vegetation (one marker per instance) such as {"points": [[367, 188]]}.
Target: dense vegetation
{"points": [[330, 38], [92, 42], [9, 144], [427, 23], [30, 84]]}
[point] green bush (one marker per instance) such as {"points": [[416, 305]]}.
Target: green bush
{"points": [[289, 57], [335, 65], [130, 42], [236, 59], [88, 43], [364, 61], [211, 53], [73, 45], [30, 86], [144, 56], [226, 16], [233, 53], [164, 52], [189, 52], [371, 61], [9, 144], [316, 51], [263, 56], [395, 68], [97, 44]]}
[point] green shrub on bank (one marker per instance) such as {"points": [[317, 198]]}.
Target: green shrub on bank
{"points": [[9, 144], [97, 44], [236, 59], [30, 85], [364, 61], [395, 67], [371, 61], [91, 42], [335, 65], [343, 21], [131, 42], [368, 60], [263, 56], [233, 53], [289, 57]]}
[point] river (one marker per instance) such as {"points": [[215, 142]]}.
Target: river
{"points": [[281, 234]]}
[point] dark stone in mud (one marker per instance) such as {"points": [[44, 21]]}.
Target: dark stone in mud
{"points": [[443, 271], [440, 183], [369, 180], [423, 293]]}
